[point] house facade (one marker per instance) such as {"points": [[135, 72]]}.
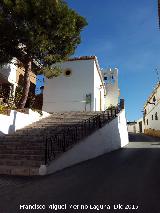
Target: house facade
{"points": [[11, 76], [80, 87], [152, 113], [131, 126], [136, 126]]}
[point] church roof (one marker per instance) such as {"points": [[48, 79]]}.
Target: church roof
{"points": [[82, 58]]}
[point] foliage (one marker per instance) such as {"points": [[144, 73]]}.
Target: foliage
{"points": [[42, 32], [2, 108], [13, 100], [18, 95], [111, 107]]}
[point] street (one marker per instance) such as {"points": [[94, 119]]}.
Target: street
{"points": [[126, 180]]}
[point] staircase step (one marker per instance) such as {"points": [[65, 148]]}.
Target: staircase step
{"points": [[22, 162], [22, 157], [19, 170], [22, 151]]}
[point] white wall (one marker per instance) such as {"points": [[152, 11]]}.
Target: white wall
{"points": [[9, 72], [131, 128], [99, 101], [153, 124], [112, 136], [137, 125], [69, 93], [18, 120], [151, 110]]}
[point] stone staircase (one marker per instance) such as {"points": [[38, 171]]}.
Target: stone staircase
{"points": [[23, 152]]}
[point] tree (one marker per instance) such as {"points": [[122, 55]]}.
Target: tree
{"points": [[42, 32]]}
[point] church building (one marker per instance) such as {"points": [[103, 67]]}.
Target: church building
{"points": [[82, 86]]}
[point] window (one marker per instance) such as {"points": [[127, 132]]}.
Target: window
{"points": [[152, 117], [144, 121], [156, 116], [154, 99], [67, 73], [147, 121]]}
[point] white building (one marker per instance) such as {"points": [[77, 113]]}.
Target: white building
{"points": [[152, 113], [136, 126], [80, 87], [10, 77], [8, 81], [131, 126]]}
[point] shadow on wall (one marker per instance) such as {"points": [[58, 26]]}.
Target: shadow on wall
{"points": [[12, 127]]}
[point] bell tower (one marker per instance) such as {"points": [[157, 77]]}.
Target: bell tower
{"points": [[111, 84]]}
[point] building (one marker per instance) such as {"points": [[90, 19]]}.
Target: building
{"points": [[80, 87], [11, 76], [131, 126], [152, 113], [111, 84]]}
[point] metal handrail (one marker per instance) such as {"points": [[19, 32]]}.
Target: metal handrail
{"points": [[64, 139]]}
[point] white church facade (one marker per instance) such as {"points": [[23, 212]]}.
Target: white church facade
{"points": [[82, 86]]}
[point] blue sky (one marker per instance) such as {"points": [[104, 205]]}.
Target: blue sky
{"points": [[123, 34]]}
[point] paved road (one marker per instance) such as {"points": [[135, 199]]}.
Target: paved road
{"points": [[130, 176]]}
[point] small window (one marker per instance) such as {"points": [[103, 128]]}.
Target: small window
{"points": [[152, 117], [154, 99], [144, 121], [67, 73], [147, 121], [156, 116], [145, 111]]}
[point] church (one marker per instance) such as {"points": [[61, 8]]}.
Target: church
{"points": [[82, 86]]}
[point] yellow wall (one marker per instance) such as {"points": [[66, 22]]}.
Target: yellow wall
{"points": [[152, 132], [20, 71]]}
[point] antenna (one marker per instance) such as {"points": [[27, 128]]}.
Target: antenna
{"points": [[157, 73]]}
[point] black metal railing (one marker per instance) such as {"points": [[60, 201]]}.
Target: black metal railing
{"points": [[66, 136]]}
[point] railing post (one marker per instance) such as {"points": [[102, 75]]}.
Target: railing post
{"points": [[108, 115], [99, 118], [89, 125], [64, 142], [76, 128], [85, 129], [46, 151], [103, 118]]}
